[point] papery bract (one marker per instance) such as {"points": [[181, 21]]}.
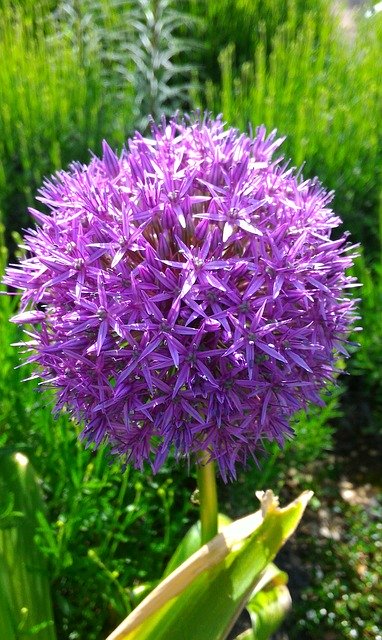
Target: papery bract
{"points": [[186, 294]]}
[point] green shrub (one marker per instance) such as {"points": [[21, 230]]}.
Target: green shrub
{"points": [[25, 602], [160, 46]]}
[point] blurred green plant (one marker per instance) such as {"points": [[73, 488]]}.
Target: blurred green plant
{"points": [[160, 48], [365, 366], [100, 30], [143, 45], [243, 23], [53, 107]]}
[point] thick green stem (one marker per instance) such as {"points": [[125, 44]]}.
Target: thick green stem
{"points": [[208, 499]]}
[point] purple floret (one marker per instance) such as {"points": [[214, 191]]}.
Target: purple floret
{"points": [[186, 295]]}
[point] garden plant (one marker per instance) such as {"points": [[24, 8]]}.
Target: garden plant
{"points": [[185, 304]]}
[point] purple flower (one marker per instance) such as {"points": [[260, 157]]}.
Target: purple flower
{"points": [[186, 294]]}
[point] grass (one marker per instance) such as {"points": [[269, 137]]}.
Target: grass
{"points": [[53, 108], [243, 23]]}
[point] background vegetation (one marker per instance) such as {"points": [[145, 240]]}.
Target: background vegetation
{"points": [[77, 71]]}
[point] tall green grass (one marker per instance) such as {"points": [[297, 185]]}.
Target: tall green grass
{"points": [[323, 90], [53, 107], [243, 23]]}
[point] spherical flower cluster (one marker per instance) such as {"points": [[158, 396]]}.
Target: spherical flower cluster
{"points": [[186, 295]]}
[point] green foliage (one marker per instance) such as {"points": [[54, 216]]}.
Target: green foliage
{"points": [[101, 30], [99, 525], [158, 49], [53, 107], [323, 90], [244, 23], [270, 600], [268, 607], [190, 544], [143, 45]]}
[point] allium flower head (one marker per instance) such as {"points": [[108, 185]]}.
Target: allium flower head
{"points": [[186, 294]]}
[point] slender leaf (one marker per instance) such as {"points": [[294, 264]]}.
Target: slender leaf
{"points": [[25, 605], [268, 609], [268, 605]]}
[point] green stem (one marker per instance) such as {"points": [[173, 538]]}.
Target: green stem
{"points": [[208, 498]]}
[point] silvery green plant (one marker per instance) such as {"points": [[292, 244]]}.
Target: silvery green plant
{"points": [[97, 32], [80, 22], [141, 45], [160, 77]]}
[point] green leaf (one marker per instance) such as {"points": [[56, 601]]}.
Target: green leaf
{"points": [[25, 604], [268, 609], [7, 626], [203, 597], [268, 605], [190, 544], [187, 546]]}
